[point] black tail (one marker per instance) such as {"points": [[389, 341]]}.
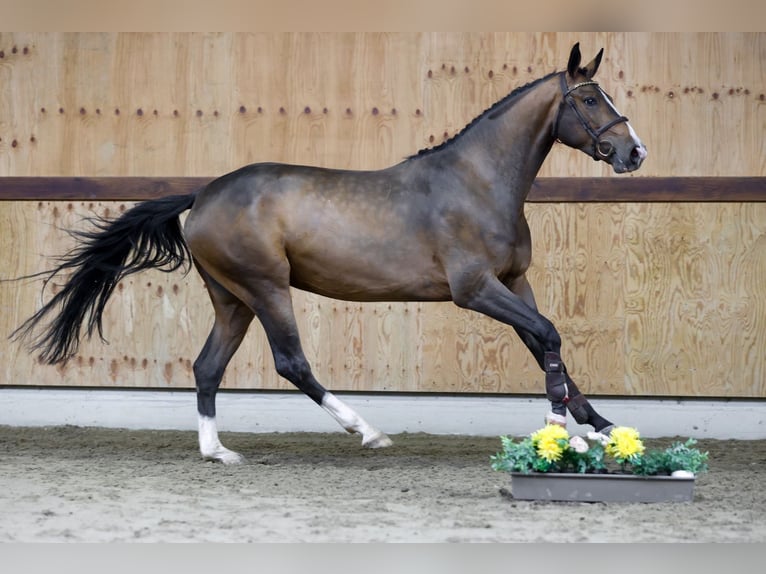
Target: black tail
{"points": [[144, 237]]}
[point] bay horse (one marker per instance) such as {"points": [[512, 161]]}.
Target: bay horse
{"points": [[446, 224]]}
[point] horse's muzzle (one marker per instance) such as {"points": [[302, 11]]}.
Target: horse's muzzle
{"points": [[624, 163]]}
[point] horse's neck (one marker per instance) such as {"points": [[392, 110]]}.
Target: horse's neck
{"points": [[511, 147]]}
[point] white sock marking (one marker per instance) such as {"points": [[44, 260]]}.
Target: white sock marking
{"points": [[352, 422], [553, 419], [210, 445]]}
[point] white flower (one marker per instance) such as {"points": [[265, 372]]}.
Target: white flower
{"points": [[682, 474], [598, 437], [578, 444]]}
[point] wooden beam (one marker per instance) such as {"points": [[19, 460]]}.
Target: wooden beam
{"points": [[544, 189], [648, 189], [96, 188]]}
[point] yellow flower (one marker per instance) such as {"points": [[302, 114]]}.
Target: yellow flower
{"points": [[624, 442], [550, 431], [548, 442]]}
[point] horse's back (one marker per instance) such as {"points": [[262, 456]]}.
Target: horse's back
{"points": [[358, 235]]}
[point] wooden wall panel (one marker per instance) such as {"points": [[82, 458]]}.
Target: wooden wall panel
{"points": [[694, 299], [202, 104], [651, 299]]}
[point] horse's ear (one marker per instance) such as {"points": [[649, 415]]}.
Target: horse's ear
{"points": [[574, 60], [592, 68]]}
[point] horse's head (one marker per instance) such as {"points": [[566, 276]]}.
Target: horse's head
{"points": [[587, 119]]}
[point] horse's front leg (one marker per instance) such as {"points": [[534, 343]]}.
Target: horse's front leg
{"points": [[564, 395], [515, 305], [560, 389]]}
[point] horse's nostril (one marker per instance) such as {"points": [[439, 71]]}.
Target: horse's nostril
{"points": [[638, 153]]}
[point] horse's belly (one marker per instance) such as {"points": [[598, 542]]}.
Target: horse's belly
{"points": [[373, 279]]}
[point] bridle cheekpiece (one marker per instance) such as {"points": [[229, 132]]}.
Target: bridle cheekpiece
{"points": [[594, 133]]}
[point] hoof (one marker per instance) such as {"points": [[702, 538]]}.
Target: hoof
{"points": [[225, 456], [553, 419], [379, 440], [607, 430]]}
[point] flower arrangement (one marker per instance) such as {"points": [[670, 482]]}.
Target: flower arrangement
{"points": [[551, 449]]}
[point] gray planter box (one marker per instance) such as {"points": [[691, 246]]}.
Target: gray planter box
{"points": [[601, 487]]}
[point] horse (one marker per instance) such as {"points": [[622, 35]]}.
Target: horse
{"points": [[445, 224]]}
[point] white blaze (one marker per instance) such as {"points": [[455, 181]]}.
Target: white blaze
{"points": [[640, 148]]}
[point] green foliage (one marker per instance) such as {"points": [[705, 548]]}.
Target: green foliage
{"points": [[590, 461], [522, 456], [515, 457], [650, 463], [679, 456]]}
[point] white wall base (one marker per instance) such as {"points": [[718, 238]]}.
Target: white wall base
{"points": [[293, 412]]}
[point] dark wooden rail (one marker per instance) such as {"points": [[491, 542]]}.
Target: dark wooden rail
{"points": [[544, 190]]}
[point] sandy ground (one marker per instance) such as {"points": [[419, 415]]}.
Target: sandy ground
{"points": [[74, 484]]}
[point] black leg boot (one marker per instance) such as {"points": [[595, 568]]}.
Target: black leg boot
{"points": [[564, 395], [556, 389]]}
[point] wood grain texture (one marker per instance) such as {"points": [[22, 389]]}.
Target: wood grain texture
{"points": [[202, 104], [652, 296], [544, 189], [657, 299], [694, 299]]}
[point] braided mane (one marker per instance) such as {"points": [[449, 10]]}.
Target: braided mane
{"points": [[495, 110]]}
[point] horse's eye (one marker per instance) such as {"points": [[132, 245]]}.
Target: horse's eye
{"points": [[590, 101]]}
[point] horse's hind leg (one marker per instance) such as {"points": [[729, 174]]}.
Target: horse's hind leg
{"points": [[232, 318], [561, 390], [273, 306]]}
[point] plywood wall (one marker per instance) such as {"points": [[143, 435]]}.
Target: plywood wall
{"points": [[202, 104], [651, 299]]}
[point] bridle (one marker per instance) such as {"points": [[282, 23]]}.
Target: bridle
{"points": [[603, 148]]}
